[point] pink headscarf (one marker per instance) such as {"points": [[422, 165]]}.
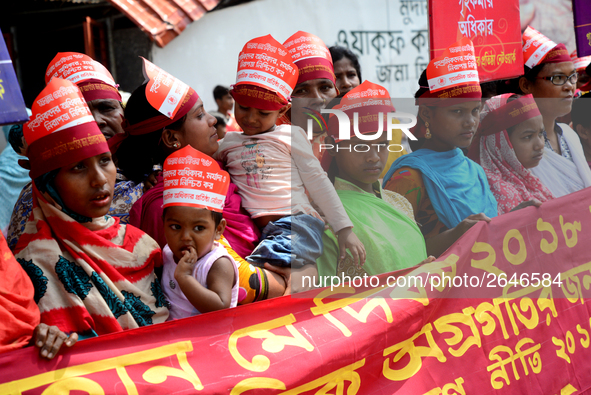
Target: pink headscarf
{"points": [[509, 181]]}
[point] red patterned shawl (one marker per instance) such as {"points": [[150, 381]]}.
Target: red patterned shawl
{"points": [[93, 278]]}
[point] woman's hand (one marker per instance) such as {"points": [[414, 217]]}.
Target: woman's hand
{"points": [[151, 180], [50, 339], [284, 272], [469, 222], [529, 203], [437, 245], [348, 239], [429, 259]]}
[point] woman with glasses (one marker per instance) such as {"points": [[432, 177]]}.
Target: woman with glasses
{"points": [[551, 78]]}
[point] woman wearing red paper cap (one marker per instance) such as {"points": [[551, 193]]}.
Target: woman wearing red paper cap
{"points": [[551, 78], [315, 86], [508, 144], [347, 72], [581, 64], [91, 274], [448, 191], [383, 220], [104, 101], [161, 120]]}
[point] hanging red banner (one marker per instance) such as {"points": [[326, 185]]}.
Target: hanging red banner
{"points": [[493, 27]]}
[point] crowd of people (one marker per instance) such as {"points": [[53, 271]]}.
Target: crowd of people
{"points": [[126, 216]]}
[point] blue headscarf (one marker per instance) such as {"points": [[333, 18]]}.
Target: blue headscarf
{"points": [[456, 185]]}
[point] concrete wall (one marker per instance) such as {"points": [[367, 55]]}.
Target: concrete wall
{"points": [[392, 44], [206, 53]]}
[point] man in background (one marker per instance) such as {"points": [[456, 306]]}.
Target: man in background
{"points": [[225, 103]]}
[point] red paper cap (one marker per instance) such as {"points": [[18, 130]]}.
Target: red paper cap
{"points": [[93, 79], [96, 90], [368, 100], [311, 56], [194, 179], [61, 130], [257, 97], [582, 63], [59, 106], [77, 67], [538, 49], [573, 55], [164, 92], [558, 54], [453, 75], [265, 63], [511, 114], [585, 88]]}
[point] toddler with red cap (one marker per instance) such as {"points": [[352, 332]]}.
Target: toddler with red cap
{"points": [[199, 274], [273, 166]]}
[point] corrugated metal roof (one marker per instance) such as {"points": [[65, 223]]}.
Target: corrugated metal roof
{"points": [[163, 20], [80, 1]]}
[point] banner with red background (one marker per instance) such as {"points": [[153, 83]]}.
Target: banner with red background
{"points": [[493, 27], [507, 335]]}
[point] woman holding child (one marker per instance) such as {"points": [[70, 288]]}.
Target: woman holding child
{"points": [[150, 137], [91, 274]]}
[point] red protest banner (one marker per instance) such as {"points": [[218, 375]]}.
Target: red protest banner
{"points": [[493, 27], [513, 318]]}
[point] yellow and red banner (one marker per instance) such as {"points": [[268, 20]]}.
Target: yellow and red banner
{"points": [[513, 318]]}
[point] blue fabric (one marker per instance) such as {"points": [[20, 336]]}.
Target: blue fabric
{"points": [[12, 180], [456, 185], [290, 241], [6, 130]]}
